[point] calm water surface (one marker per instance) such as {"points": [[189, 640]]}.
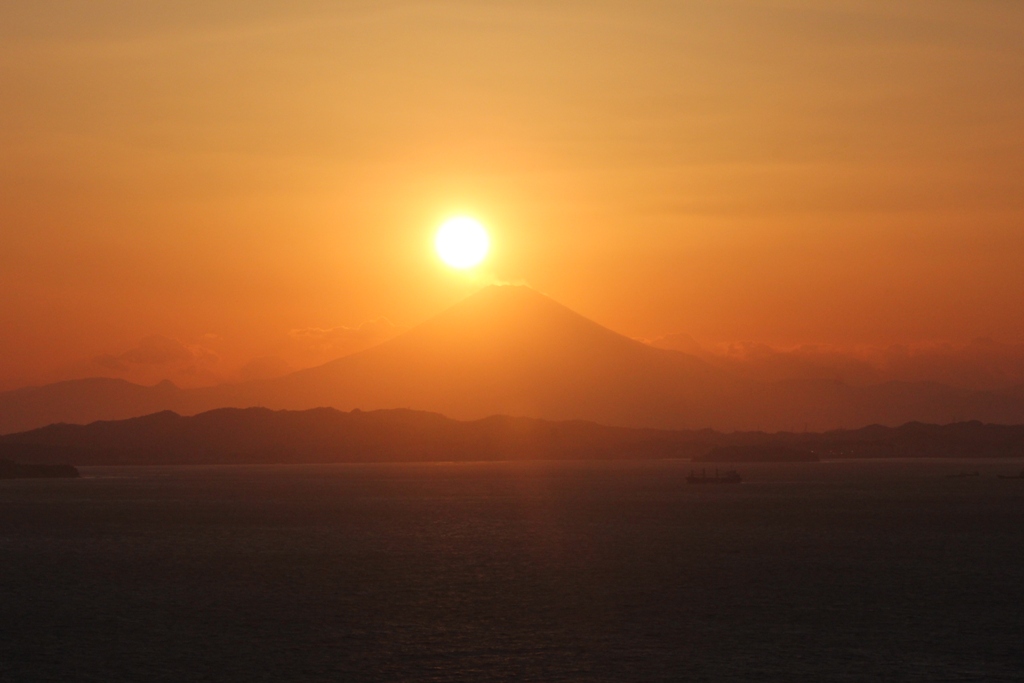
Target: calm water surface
{"points": [[839, 571]]}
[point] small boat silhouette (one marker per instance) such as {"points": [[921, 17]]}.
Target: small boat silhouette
{"points": [[727, 477]]}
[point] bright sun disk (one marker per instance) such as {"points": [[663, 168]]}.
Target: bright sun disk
{"points": [[462, 242]]}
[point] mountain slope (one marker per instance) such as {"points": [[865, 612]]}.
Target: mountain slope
{"points": [[511, 350], [85, 400]]}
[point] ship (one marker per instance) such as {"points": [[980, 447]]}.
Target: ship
{"points": [[1012, 476], [727, 477]]}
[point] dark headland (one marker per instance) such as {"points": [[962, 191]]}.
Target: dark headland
{"points": [[326, 435], [16, 470]]}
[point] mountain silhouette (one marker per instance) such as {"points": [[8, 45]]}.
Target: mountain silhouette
{"points": [[510, 350], [85, 400], [326, 435]]}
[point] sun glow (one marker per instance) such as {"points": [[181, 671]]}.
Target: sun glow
{"points": [[462, 242]]}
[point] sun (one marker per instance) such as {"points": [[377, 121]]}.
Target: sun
{"points": [[462, 242]]}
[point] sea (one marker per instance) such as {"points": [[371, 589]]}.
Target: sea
{"points": [[895, 570]]}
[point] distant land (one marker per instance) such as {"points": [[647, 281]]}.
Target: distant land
{"points": [[769, 451], [17, 470], [509, 350], [326, 435]]}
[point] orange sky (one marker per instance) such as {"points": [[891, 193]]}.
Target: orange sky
{"points": [[229, 181]]}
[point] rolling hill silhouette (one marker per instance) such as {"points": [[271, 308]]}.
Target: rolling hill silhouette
{"points": [[326, 435], [511, 350]]}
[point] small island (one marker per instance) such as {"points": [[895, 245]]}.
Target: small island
{"points": [[14, 470]]}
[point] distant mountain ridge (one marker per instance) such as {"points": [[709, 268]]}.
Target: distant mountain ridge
{"points": [[260, 435], [82, 401], [511, 350], [326, 435]]}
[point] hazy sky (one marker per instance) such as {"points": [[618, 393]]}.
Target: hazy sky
{"points": [[244, 176]]}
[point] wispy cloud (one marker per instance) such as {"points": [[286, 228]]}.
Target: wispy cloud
{"points": [[158, 350], [157, 357], [334, 342]]}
